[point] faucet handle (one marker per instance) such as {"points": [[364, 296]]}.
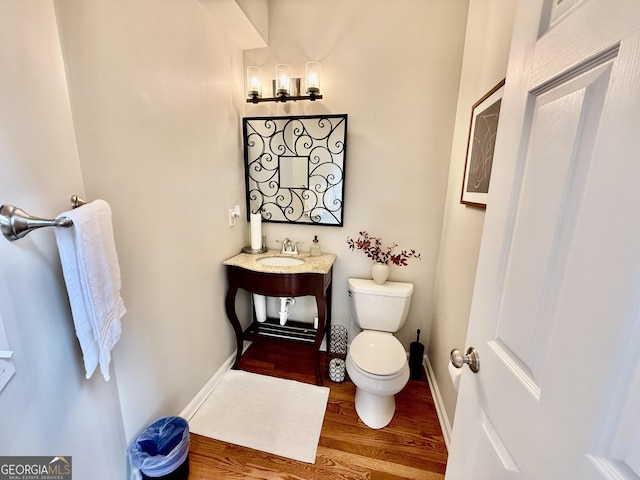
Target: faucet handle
{"points": [[286, 245], [295, 247]]}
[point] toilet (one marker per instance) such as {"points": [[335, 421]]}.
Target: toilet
{"points": [[376, 360]]}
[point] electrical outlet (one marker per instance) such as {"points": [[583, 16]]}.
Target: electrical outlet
{"points": [[7, 368]]}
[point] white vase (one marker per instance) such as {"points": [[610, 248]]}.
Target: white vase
{"points": [[379, 272]]}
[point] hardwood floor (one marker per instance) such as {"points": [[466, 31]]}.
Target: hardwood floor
{"points": [[410, 447]]}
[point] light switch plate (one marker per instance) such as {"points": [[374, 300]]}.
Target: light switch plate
{"points": [[234, 214], [7, 368]]}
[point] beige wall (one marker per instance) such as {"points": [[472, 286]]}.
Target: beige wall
{"points": [[48, 408], [156, 97], [488, 37], [395, 72]]}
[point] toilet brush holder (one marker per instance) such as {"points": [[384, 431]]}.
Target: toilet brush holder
{"points": [[337, 354], [416, 355]]}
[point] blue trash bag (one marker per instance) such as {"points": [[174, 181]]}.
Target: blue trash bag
{"points": [[161, 447]]}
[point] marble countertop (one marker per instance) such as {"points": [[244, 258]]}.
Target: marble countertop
{"points": [[320, 264]]}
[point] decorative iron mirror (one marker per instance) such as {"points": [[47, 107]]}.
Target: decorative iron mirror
{"points": [[295, 168]]}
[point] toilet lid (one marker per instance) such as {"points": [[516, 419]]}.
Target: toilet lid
{"points": [[378, 353]]}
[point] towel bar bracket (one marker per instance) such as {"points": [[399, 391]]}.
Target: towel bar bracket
{"points": [[15, 223]]}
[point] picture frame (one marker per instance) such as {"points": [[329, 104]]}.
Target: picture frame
{"points": [[483, 128]]}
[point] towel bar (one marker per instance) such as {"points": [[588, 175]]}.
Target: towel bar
{"points": [[15, 223]]}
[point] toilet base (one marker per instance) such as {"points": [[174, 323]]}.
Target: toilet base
{"points": [[376, 411]]}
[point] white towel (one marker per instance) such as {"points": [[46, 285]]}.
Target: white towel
{"points": [[92, 274]]}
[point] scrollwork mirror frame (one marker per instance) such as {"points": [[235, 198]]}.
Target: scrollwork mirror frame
{"points": [[295, 168]]}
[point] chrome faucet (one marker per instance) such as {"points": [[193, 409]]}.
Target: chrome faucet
{"points": [[289, 247]]}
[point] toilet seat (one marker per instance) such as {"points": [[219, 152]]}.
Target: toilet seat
{"points": [[378, 353]]}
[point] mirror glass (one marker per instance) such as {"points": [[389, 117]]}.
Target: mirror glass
{"points": [[294, 168]]}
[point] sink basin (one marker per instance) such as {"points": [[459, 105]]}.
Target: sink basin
{"points": [[280, 261]]}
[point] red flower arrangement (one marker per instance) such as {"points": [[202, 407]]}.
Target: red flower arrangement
{"points": [[372, 247]]}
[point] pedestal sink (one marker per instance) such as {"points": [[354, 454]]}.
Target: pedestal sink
{"points": [[280, 261]]}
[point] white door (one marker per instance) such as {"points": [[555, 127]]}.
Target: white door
{"points": [[555, 316]]}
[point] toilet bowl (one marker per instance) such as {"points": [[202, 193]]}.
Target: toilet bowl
{"points": [[376, 360], [377, 365]]}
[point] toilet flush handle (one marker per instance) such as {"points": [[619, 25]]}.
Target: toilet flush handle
{"points": [[471, 358]]}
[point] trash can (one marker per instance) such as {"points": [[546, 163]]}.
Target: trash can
{"points": [[162, 450], [337, 354]]}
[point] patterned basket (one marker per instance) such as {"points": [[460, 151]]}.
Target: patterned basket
{"points": [[337, 354]]}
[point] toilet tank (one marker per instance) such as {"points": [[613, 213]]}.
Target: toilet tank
{"points": [[379, 307]]}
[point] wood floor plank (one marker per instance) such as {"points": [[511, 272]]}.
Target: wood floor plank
{"points": [[380, 466], [410, 447]]}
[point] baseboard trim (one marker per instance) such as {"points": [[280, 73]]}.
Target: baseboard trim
{"points": [[439, 404], [192, 407]]}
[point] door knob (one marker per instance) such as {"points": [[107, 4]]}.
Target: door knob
{"points": [[471, 358]]}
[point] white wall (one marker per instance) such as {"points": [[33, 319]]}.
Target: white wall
{"points": [[487, 42], [48, 408], [394, 69], [157, 99]]}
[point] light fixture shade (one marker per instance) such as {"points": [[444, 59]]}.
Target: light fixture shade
{"points": [[313, 77], [283, 79], [254, 81]]}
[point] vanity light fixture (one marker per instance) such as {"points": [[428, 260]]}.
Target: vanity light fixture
{"points": [[284, 87]]}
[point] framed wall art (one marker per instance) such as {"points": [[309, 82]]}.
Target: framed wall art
{"points": [[295, 168], [483, 128]]}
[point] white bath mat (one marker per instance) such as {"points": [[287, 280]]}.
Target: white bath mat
{"points": [[277, 416]]}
